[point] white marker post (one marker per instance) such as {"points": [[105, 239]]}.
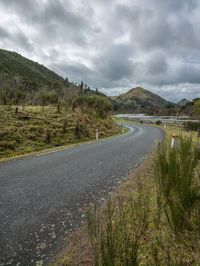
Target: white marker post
{"points": [[97, 134], [173, 140]]}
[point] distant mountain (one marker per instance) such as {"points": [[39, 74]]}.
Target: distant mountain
{"points": [[141, 100], [183, 102]]}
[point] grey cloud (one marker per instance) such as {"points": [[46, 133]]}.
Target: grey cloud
{"points": [[157, 64], [113, 45], [3, 33], [23, 7], [115, 63], [75, 72], [188, 73], [18, 38], [174, 6]]}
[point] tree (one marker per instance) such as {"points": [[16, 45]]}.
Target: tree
{"points": [[197, 108], [100, 104], [20, 95], [4, 95], [48, 97], [82, 86], [197, 112]]}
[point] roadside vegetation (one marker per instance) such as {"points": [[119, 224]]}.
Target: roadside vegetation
{"points": [[39, 109], [26, 129], [153, 218]]}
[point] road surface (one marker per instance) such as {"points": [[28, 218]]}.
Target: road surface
{"points": [[43, 197]]}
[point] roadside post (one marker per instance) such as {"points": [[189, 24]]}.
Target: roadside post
{"points": [[173, 140], [97, 134]]}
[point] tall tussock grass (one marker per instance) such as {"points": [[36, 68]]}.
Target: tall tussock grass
{"points": [[115, 233], [159, 222], [178, 185]]}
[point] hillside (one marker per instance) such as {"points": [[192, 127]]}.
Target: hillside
{"points": [[34, 128], [23, 81], [141, 100], [13, 65], [39, 109]]}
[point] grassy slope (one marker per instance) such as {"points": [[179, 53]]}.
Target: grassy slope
{"points": [[159, 245], [16, 65], [29, 130]]}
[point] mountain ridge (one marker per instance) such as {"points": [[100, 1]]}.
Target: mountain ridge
{"points": [[139, 99]]}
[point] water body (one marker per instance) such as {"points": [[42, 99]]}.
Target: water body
{"points": [[169, 119]]}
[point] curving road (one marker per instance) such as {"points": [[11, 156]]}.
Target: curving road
{"points": [[42, 198]]}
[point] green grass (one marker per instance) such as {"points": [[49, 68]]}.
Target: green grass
{"points": [[35, 128]]}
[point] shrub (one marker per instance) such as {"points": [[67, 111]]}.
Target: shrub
{"points": [[193, 126], [48, 136], [98, 103], [81, 130], [158, 122], [176, 184], [10, 145], [65, 125], [115, 234]]}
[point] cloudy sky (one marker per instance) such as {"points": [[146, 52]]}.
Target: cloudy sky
{"points": [[113, 45]]}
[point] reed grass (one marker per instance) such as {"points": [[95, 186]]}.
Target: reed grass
{"points": [[116, 233], [177, 184]]}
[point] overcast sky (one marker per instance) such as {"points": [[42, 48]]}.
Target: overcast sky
{"points": [[113, 45]]}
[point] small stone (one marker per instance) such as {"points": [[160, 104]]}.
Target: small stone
{"points": [[43, 245], [39, 263]]}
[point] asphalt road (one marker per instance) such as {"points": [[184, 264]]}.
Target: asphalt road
{"points": [[42, 198]]}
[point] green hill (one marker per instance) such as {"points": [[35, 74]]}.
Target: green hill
{"points": [[13, 65], [141, 100], [51, 111], [23, 81]]}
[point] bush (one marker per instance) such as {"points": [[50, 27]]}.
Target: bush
{"points": [[158, 122], [46, 97], [81, 130], [176, 183], [115, 235], [192, 126], [100, 104], [65, 125], [48, 136], [10, 145]]}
